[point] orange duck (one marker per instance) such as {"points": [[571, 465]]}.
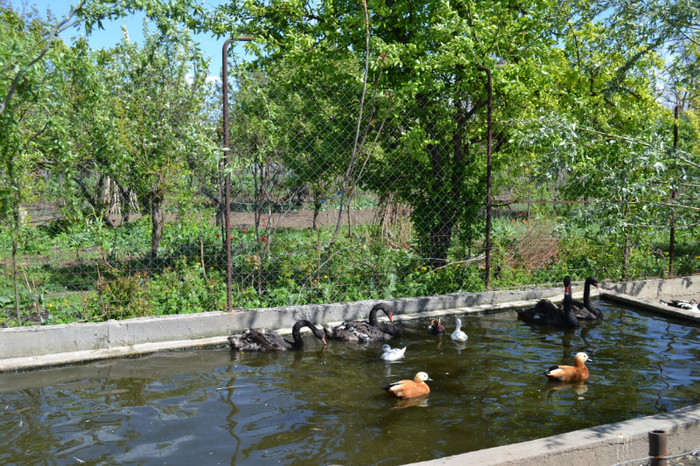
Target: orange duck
{"points": [[576, 373], [409, 388]]}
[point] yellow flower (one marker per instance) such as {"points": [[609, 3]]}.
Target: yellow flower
{"points": [[325, 276], [423, 269]]}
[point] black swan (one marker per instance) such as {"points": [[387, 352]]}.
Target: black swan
{"points": [[587, 310], [358, 330], [267, 340], [546, 312]]}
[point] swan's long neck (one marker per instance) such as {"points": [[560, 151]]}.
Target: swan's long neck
{"points": [[587, 295], [298, 342], [568, 307]]}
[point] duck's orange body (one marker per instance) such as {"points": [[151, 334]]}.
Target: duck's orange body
{"points": [[409, 388], [576, 373]]}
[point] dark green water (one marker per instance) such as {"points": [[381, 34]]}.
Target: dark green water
{"points": [[325, 406]]}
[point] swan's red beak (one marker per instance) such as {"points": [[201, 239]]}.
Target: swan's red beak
{"points": [[324, 340], [391, 316]]}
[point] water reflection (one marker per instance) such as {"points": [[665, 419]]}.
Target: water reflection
{"points": [[324, 405], [420, 401], [577, 387]]}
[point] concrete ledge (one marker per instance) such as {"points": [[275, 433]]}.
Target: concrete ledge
{"points": [[32, 347], [24, 348], [605, 444], [653, 290]]}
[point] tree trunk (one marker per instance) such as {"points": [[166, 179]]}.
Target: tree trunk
{"points": [[158, 223]]}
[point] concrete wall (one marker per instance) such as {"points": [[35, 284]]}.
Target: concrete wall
{"points": [[600, 445], [29, 347], [655, 289]]}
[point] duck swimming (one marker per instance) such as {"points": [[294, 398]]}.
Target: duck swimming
{"points": [[546, 312], [576, 373], [392, 354], [458, 334], [409, 388], [587, 310], [435, 327], [267, 340], [358, 330]]}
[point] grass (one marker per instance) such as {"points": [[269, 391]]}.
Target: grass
{"points": [[78, 273]]}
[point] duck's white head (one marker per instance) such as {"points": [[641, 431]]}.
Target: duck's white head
{"points": [[421, 377], [386, 347], [583, 357]]}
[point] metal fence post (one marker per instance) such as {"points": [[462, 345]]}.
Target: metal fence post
{"points": [[227, 175], [657, 447], [489, 87], [674, 197]]}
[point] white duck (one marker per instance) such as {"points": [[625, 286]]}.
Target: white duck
{"points": [[392, 354], [458, 334]]}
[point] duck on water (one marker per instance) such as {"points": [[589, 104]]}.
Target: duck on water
{"points": [[267, 340], [360, 330], [546, 312]]}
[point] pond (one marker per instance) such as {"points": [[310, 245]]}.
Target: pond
{"points": [[324, 406]]}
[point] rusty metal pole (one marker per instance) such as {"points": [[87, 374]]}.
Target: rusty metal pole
{"points": [[487, 281], [227, 175], [674, 197], [657, 447]]}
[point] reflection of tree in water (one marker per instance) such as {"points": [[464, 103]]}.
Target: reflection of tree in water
{"points": [[263, 396], [227, 396]]}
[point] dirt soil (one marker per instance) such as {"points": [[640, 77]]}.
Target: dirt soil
{"points": [[42, 213]]}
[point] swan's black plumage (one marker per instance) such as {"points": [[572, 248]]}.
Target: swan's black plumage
{"points": [[358, 330], [267, 340], [587, 310], [546, 312]]}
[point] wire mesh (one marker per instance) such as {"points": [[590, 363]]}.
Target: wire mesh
{"points": [[336, 198]]}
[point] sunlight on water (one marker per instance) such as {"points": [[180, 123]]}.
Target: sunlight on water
{"points": [[324, 405]]}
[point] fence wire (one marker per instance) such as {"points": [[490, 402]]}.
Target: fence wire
{"points": [[338, 199]]}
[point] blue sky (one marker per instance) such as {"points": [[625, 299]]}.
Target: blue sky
{"points": [[112, 33]]}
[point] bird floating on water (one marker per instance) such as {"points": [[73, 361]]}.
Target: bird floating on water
{"points": [[435, 327], [267, 340], [546, 312], [358, 330], [410, 388], [458, 334], [587, 310], [392, 354], [576, 373]]}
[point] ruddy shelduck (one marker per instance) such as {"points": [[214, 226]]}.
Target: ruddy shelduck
{"points": [[410, 388], [435, 327], [576, 373]]}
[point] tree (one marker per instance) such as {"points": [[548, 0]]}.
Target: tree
{"points": [[430, 52], [159, 104]]}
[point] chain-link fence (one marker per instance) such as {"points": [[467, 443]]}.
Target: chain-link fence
{"points": [[339, 195]]}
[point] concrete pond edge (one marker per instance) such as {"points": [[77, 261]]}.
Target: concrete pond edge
{"points": [[25, 348], [606, 444]]}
